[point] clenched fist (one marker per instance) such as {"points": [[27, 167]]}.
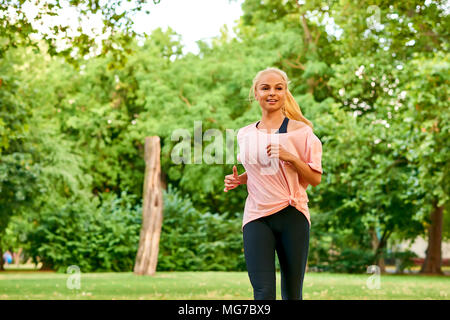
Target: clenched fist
{"points": [[234, 180]]}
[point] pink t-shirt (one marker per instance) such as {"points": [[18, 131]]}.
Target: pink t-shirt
{"points": [[273, 184]]}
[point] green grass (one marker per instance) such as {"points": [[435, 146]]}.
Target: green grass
{"points": [[213, 286]]}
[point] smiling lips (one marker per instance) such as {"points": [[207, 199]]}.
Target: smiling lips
{"points": [[272, 101]]}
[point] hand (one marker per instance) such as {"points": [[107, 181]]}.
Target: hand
{"points": [[232, 180], [277, 151]]}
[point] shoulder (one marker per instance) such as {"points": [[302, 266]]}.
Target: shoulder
{"points": [[295, 125], [246, 128], [308, 132]]}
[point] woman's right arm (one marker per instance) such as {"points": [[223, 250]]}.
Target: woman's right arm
{"points": [[243, 178], [234, 180]]}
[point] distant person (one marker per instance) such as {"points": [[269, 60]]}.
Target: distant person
{"points": [[279, 167], [7, 257]]}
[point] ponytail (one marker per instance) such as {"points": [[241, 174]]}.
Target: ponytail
{"points": [[292, 110]]}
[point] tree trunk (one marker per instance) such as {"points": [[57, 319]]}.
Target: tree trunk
{"points": [[433, 258], [377, 246], [152, 210]]}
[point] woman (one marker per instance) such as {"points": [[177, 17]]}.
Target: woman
{"points": [[279, 167]]}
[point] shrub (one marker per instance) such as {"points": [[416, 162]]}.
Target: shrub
{"points": [[403, 260], [94, 236], [194, 241], [351, 260], [103, 235]]}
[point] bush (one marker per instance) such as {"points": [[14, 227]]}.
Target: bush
{"points": [[103, 235], [351, 260], [94, 236], [195, 241], [403, 260]]}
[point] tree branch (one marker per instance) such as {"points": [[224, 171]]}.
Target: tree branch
{"points": [[296, 65], [184, 98]]}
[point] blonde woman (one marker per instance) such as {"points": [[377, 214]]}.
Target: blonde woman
{"points": [[281, 156]]}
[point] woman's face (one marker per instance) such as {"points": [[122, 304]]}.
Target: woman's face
{"points": [[270, 91]]}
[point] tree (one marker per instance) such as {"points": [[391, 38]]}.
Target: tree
{"points": [[19, 30], [427, 114], [404, 31], [18, 166]]}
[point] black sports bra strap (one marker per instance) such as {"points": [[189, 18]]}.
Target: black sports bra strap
{"points": [[283, 127]]}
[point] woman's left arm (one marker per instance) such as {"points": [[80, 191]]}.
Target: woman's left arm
{"points": [[311, 176], [307, 173]]}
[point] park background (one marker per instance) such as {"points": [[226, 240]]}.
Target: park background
{"points": [[75, 109]]}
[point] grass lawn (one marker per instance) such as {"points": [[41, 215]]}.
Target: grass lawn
{"points": [[37, 285]]}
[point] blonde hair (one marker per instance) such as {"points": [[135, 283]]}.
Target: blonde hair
{"points": [[290, 109]]}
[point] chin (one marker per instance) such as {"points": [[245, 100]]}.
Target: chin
{"points": [[273, 108]]}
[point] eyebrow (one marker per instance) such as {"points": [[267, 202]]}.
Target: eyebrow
{"points": [[266, 84]]}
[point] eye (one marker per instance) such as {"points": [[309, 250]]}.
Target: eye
{"points": [[279, 88]]}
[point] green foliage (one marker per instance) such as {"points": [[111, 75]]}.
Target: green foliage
{"points": [[17, 28], [19, 168], [96, 236], [351, 260], [193, 241], [428, 118], [103, 235], [334, 249], [402, 260]]}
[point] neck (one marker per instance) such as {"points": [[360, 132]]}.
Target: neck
{"points": [[272, 119]]}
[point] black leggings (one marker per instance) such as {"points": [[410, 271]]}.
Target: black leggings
{"points": [[287, 233]]}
